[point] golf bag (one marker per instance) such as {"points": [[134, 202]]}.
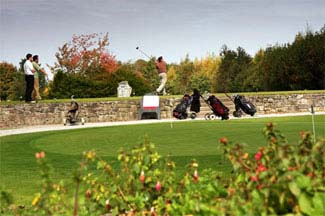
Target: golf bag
{"points": [[180, 111], [217, 107], [195, 105], [242, 104], [72, 116]]}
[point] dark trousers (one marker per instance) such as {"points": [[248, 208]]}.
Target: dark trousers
{"points": [[29, 87]]}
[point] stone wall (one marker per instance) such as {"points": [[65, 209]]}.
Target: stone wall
{"points": [[18, 115]]}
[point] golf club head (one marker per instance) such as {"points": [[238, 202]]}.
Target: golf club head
{"points": [[142, 52]]}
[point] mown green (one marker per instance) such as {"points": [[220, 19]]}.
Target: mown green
{"points": [[183, 140]]}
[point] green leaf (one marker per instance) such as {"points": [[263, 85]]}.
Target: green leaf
{"points": [[240, 178], [115, 211], [136, 168], [256, 196], [146, 159], [303, 181], [319, 204], [295, 190], [305, 203]]}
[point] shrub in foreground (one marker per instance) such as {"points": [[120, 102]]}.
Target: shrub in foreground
{"points": [[279, 179]]}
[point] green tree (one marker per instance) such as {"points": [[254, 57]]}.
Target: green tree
{"points": [[200, 82], [185, 70], [127, 72], [306, 55], [232, 70], [253, 80], [295, 66], [149, 72]]}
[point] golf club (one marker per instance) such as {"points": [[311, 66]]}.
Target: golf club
{"points": [[143, 52]]}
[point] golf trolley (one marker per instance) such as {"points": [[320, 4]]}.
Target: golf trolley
{"points": [[217, 107], [72, 116], [180, 111], [242, 105]]}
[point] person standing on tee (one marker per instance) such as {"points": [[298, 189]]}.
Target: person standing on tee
{"points": [[162, 71], [29, 78], [36, 95]]}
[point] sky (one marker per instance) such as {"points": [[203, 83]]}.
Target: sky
{"points": [[168, 28]]}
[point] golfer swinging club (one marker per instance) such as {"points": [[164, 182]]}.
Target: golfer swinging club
{"points": [[162, 71]]}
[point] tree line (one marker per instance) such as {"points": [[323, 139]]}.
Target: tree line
{"points": [[85, 68]]}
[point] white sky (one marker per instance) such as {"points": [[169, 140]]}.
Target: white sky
{"points": [[171, 28]]}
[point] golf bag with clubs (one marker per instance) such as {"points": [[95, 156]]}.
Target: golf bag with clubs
{"points": [[217, 107], [180, 111], [72, 116], [241, 104], [195, 104]]}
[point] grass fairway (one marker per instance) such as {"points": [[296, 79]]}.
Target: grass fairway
{"points": [[185, 141]]}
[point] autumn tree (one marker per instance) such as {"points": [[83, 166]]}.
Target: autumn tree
{"points": [[206, 70], [86, 55], [87, 62]]}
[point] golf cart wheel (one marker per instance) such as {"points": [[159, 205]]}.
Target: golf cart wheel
{"points": [[193, 115], [183, 116], [237, 114], [213, 117], [64, 122], [207, 116], [226, 117]]}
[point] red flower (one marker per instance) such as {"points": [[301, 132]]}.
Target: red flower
{"points": [[142, 177], [39, 155], [259, 187], [258, 155], [311, 174], [223, 140], [42, 154], [158, 186], [254, 178], [291, 168], [261, 168]]}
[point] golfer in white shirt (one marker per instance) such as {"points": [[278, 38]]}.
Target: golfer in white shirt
{"points": [[29, 77]]}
